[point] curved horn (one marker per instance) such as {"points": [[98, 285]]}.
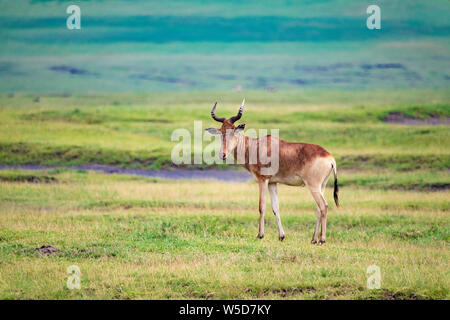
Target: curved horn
{"points": [[239, 115], [213, 115]]}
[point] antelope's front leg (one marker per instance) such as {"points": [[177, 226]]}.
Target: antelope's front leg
{"points": [[276, 209], [262, 206]]}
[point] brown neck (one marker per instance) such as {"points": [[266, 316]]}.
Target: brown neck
{"points": [[243, 143]]}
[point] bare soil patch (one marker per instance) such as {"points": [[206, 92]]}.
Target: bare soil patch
{"points": [[47, 249], [401, 118], [29, 178]]}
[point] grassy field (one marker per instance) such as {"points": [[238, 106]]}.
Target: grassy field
{"points": [[146, 238], [135, 237], [134, 130]]}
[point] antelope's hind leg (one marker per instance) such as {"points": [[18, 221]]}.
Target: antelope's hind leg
{"points": [[322, 208], [316, 185], [276, 209], [316, 230]]}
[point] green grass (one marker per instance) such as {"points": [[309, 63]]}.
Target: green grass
{"points": [[134, 131], [121, 230], [136, 237]]}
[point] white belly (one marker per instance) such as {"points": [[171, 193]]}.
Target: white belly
{"points": [[294, 180]]}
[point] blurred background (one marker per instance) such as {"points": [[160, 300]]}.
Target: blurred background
{"points": [[141, 46]]}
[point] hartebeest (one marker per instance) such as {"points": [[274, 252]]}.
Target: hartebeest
{"points": [[299, 164]]}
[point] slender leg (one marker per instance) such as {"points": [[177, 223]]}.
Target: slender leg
{"points": [[323, 206], [319, 214], [262, 206], [323, 218], [316, 230], [276, 210], [323, 222]]}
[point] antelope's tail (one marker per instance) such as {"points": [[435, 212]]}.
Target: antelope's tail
{"points": [[336, 187]]}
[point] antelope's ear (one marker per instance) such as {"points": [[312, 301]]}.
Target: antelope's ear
{"points": [[213, 130], [240, 128]]}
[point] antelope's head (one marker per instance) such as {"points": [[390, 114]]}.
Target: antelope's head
{"points": [[228, 131]]}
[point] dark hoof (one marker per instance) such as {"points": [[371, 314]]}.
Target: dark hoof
{"points": [[321, 242], [281, 238], [260, 236], [313, 241]]}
